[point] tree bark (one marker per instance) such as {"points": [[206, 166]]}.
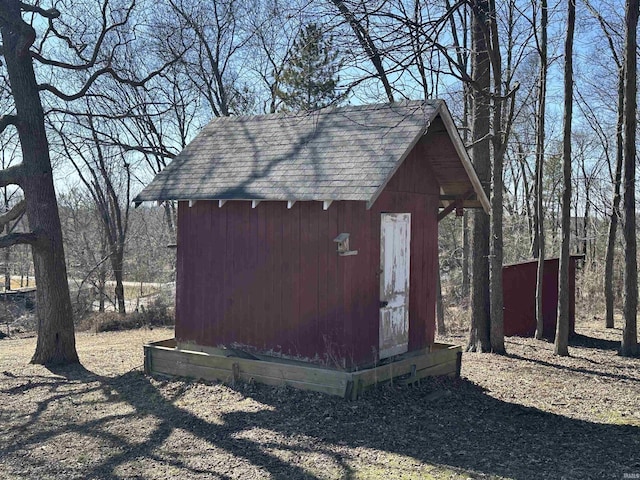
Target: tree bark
{"points": [[7, 260], [540, 138], [496, 241], [629, 345], [479, 334], [117, 263], [56, 338], [561, 346], [615, 211]]}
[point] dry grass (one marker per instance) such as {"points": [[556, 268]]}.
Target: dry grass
{"points": [[15, 283], [527, 415], [135, 290]]}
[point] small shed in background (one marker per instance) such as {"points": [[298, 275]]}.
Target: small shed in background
{"points": [[313, 238], [519, 288]]}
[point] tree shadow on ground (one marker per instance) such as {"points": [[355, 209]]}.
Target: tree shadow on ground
{"points": [[464, 429], [584, 341], [578, 370]]}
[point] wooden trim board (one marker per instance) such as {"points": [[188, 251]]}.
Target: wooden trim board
{"points": [[164, 357]]}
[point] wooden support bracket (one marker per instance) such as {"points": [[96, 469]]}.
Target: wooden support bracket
{"points": [[456, 205]]}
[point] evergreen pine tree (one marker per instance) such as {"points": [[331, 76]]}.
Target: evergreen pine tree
{"points": [[309, 79]]}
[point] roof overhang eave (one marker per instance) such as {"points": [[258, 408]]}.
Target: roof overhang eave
{"points": [[464, 157]]}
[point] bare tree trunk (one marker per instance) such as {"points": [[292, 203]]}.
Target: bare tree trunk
{"points": [[7, 251], [527, 204], [540, 139], [629, 345], [117, 263], [102, 273], [56, 337], [615, 215], [561, 346], [7, 257], [465, 217], [101, 286], [479, 334], [500, 132], [615, 210]]}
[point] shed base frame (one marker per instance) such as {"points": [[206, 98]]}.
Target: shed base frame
{"points": [[165, 358]]}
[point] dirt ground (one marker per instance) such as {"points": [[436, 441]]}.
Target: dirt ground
{"points": [[528, 415]]}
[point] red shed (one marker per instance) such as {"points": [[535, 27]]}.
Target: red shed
{"points": [[313, 237], [519, 290]]}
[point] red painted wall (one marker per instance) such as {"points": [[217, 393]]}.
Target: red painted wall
{"points": [[519, 288], [270, 278]]}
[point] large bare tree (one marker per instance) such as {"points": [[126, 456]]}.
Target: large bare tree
{"points": [[84, 63], [562, 327], [479, 333], [539, 237], [629, 346], [56, 340]]}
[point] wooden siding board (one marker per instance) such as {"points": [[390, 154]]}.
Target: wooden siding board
{"points": [[259, 312], [229, 277], [417, 291], [206, 254], [343, 330], [374, 259], [289, 302], [309, 273], [356, 279], [369, 288], [238, 328], [334, 346], [247, 260], [294, 321], [217, 292], [325, 246], [274, 249], [348, 297], [255, 300], [187, 244]]}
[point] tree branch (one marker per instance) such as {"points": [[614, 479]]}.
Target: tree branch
{"points": [[16, 211], [50, 13], [6, 120], [56, 63], [11, 175], [28, 238], [97, 74]]}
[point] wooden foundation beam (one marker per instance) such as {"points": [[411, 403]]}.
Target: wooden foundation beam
{"points": [[167, 358]]}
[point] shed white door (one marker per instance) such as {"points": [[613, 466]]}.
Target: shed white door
{"points": [[395, 238]]}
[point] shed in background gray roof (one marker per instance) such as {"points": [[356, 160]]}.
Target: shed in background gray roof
{"points": [[345, 153]]}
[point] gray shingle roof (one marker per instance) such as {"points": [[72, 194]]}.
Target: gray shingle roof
{"points": [[346, 153]]}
